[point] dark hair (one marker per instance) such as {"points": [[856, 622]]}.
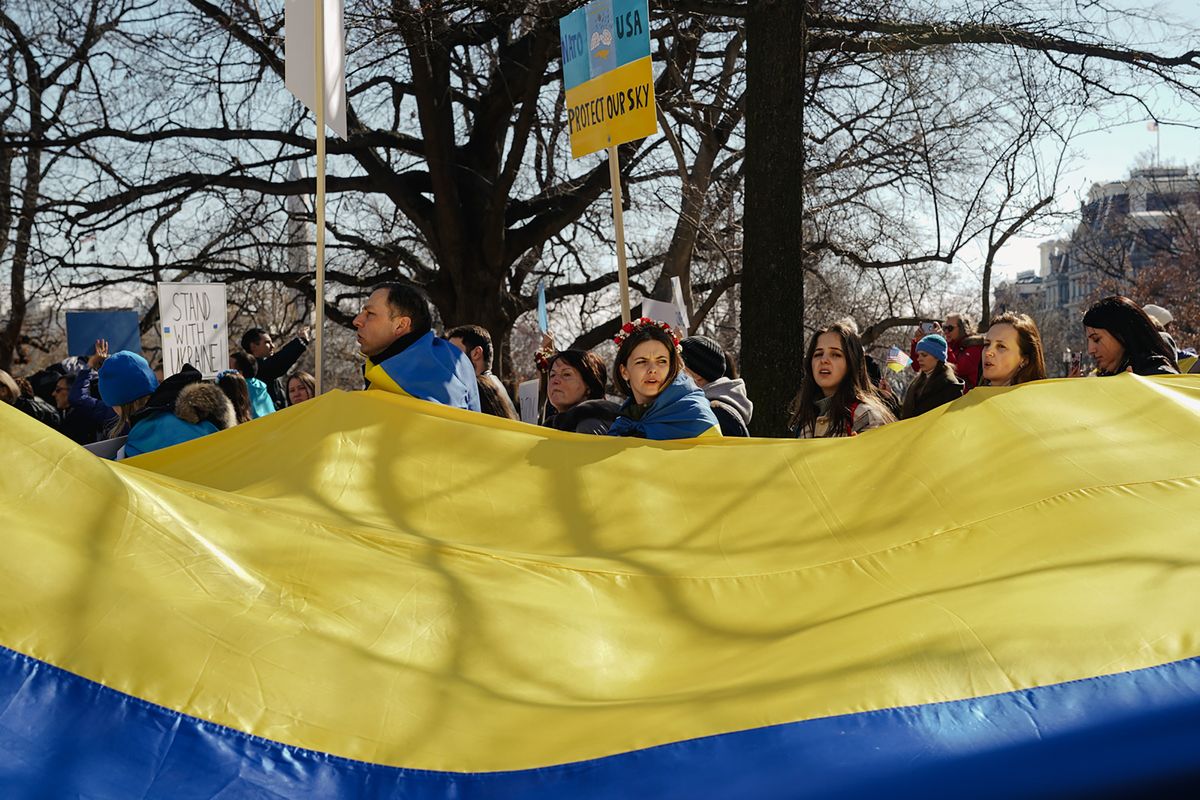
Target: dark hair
{"points": [[408, 301], [245, 364], [1030, 342], [251, 337], [473, 336], [490, 401], [234, 386], [855, 386], [968, 328], [924, 383], [645, 333], [1129, 325], [588, 365]]}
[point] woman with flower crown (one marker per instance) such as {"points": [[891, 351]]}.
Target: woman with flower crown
{"points": [[836, 397], [663, 402]]}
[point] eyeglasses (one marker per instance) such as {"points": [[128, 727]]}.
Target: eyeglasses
{"points": [[948, 327]]}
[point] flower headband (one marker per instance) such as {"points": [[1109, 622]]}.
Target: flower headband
{"points": [[630, 328]]}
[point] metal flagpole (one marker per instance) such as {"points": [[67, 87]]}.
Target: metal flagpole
{"points": [[320, 202], [614, 174]]}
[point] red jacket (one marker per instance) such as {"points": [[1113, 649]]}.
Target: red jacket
{"points": [[966, 355]]}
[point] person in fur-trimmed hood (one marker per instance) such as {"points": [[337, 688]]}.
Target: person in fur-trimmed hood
{"points": [[156, 415], [712, 371]]}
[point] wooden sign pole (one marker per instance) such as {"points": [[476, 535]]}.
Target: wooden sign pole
{"points": [[614, 174], [320, 201]]}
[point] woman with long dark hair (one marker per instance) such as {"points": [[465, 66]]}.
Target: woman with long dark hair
{"points": [[936, 385], [1123, 339], [836, 397]]}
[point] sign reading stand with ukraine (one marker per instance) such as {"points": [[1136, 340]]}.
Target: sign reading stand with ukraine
{"points": [[607, 74]]}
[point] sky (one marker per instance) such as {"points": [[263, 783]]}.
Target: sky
{"points": [[1107, 153]]}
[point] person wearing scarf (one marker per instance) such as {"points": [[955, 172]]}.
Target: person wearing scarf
{"points": [[395, 333], [663, 402]]}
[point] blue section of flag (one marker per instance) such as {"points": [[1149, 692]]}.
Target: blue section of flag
{"points": [[1131, 734], [573, 36], [120, 328], [631, 28], [433, 369], [543, 319]]}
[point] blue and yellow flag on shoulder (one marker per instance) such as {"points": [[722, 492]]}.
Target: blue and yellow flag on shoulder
{"points": [[367, 596], [428, 369]]}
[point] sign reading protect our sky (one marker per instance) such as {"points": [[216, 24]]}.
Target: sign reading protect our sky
{"points": [[607, 74]]}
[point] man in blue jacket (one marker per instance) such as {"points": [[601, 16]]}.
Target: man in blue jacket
{"points": [[395, 333]]}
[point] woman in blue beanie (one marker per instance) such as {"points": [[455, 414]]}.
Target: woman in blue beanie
{"points": [[936, 385], [156, 415]]}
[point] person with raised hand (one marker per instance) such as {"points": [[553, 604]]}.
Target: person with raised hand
{"points": [[836, 397], [1012, 351], [662, 401]]}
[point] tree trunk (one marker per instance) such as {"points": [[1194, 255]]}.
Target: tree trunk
{"points": [[772, 315]]}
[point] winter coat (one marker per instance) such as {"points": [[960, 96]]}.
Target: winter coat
{"points": [[1145, 364], [928, 392], [966, 355], [590, 416], [426, 367], [261, 403], [88, 417], [182, 408], [681, 411], [866, 417], [273, 369], [39, 409], [730, 405]]}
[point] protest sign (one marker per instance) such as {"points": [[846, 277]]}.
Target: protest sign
{"points": [[194, 325], [527, 399], [666, 312], [607, 74], [118, 328], [609, 89]]}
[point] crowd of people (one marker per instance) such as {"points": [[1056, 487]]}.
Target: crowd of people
{"points": [[662, 387]]}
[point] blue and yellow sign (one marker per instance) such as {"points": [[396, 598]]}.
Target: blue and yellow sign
{"points": [[607, 74]]}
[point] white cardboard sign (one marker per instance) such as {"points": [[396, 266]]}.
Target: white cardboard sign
{"points": [[194, 324], [666, 312], [527, 399]]}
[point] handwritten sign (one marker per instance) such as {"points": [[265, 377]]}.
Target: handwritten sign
{"points": [[607, 74], [193, 320]]}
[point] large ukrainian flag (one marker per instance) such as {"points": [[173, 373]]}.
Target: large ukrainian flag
{"points": [[372, 596]]}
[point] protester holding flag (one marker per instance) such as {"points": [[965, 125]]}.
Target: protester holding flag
{"points": [[395, 333], [1012, 351], [575, 381], [663, 402], [936, 385], [1123, 339], [183, 407], [707, 364], [836, 397]]}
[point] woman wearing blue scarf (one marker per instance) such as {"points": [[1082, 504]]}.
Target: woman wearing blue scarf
{"points": [[663, 402]]}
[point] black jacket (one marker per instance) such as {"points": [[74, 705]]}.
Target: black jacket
{"points": [[590, 416], [273, 369], [927, 393]]}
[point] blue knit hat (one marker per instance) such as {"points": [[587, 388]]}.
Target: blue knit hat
{"points": [[934, 345], [125, 377]]}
